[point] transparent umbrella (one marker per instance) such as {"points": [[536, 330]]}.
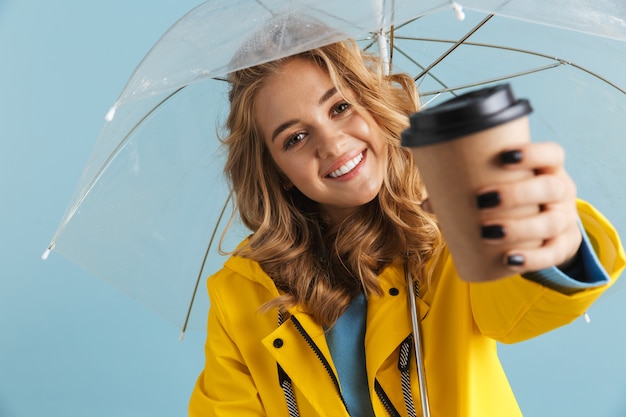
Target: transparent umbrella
{"points": [[152, 203]]}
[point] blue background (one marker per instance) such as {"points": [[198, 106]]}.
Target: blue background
{"points": [[70, 345]]}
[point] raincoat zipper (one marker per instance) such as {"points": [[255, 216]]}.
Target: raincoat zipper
{"points": [[285, 384], [380, 392], [321, 357], [382, 396]]}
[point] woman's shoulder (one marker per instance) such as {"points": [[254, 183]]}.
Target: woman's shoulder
{"points": [[236, 293], [240, 275]]}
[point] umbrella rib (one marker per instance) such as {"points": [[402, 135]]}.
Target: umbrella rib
{"points": [[105, 165], [453, 47], [206, 255], [392, 34], [598, 76], [512, 49], [420, 66], [493, 80], [263, 5], [408, 22], [371, 38]]}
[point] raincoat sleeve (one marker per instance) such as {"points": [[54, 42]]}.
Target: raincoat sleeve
{"points": [[515, 309], [225, 387], [587, 272]]}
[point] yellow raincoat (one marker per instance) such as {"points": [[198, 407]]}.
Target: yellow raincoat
{"points": [[461, 323]]}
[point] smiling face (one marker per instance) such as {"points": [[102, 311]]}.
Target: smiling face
{"points": [[332, 153]]}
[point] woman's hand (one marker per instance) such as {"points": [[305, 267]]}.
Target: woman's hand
{"points": [[556, 223]]}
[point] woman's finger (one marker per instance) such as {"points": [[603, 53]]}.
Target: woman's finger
{"points": [[541, 189], [535, 156], [553, 252], [545, 225]]}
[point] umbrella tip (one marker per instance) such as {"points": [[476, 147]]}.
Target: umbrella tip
{"points": [[111, 113], [182, 336], [458, 11], [46, 253]]}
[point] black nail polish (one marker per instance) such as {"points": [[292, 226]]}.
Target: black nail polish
{"points": [[511, 157], [494, 231], [486, 200], [515, 260]]}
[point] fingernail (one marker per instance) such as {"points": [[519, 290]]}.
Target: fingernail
{"points": [[511, 157], [515, 260], [486, 200], [494, 231]]}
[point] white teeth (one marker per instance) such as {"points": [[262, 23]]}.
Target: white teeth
{"points": [[349, 166]]}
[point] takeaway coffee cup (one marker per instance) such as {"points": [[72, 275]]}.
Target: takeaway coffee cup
{"points": [[456, 147]]}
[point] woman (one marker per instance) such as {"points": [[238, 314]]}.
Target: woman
{"points": [[310, 316]]}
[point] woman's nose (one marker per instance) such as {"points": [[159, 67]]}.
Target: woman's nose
{"points": [[329, 142]]}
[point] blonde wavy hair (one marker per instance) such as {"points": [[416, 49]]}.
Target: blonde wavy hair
{"points": [[314, 264]]}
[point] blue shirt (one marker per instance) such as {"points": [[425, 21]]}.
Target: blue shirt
{"points": [[346, 341]]}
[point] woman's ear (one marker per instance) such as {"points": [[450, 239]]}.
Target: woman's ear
{"points": [[426, 206]]}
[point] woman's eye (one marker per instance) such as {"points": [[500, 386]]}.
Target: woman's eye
{"points": [[340, 107], [294, 139]]}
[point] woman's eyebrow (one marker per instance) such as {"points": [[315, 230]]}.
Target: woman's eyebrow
{"points": [[282, 127], [331, 92], [325, 97]]}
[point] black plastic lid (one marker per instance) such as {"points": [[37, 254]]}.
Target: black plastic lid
{"points": [[463, 115]]}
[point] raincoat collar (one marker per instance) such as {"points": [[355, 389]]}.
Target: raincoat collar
{"points": [[388, 318], [302, 341]]}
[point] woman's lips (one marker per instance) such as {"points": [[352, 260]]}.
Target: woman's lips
{"points": [[347, 167]]}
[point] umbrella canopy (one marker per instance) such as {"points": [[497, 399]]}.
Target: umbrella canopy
{"points": [[151, 204]]}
